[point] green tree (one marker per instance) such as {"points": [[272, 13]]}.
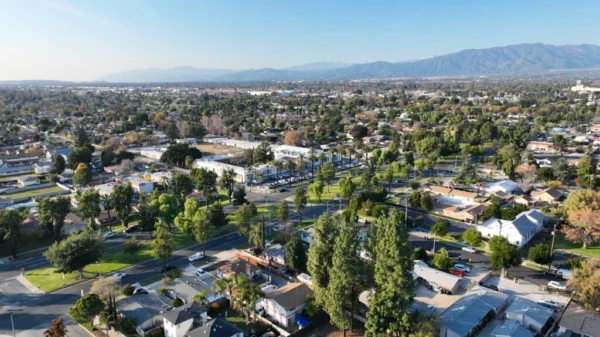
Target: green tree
{"points": [[184, 220], [77, 156], [414, 199], [388, 175], [255, 235], [494, 210], [75, 252], [122, 195], [57, 163], [420, 254], [132, 246], [161, 245], [243, 217], [341, 290], [472, 237], [283, 213], [503, 254], [300, 201], [426, 202], [347, 187], [239, 196], [540, 254], [328, 171], [201, 222], [80, 137], [316, 189], [295, 255], [83, 175], [227, 181], [440, 228], [394, 286], [320, 255], [176, 154], [10, 229], [167, 209], [585, 281], [148, 217], [87, 308], [181, 186], [545, 173], [52, 214], [217, 215], [206, 181], [88, 204], [441, 260], [108, 204]]}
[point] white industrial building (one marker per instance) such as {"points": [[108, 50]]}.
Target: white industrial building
{"points": [[243, 175], [152, 152]]}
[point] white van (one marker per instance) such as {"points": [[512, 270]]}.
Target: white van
{"points": [[269, 288], [305, 278]]}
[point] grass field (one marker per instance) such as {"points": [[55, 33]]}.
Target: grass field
{"points": [[14, 177], [47, 280], [562, 243], [34, 193], [329, 192]]}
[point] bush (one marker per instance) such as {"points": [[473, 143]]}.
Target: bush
{"points": [[126, 325], [420, 254], [472, 237], [175, 273], [213, 309], [163, 290], [157, 333], [574, 263], [540, 254], [379, 210], [415, 185], [127, 290], [177, 302]]}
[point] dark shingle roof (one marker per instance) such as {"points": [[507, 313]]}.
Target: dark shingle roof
{"points": [[218, 327], [290, 295], [188, 311]]}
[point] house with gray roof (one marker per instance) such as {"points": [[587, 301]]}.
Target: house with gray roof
{"points": [[532, 315], [511, 328], [518, 231], [146, 309], [218, 327], [178, 322], [471, 312]]}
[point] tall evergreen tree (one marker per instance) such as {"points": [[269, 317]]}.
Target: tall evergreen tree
{"points": [[341, 292], [394, 285], [161, 245], [320, 255]]}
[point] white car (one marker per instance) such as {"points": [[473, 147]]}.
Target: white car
{"points": [[550, 304], [469, 249], [119, 275], [557, 285], [462, 267], [269, 288], [268, 243], [196, 257], [109, 234], [200, 272]]}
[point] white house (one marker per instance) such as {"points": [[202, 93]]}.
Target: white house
{"points": [[177, 323], [506, 186], [152, 152], [28, 181], [283, 304], [190, 141], [140, 185], [519, 231]]}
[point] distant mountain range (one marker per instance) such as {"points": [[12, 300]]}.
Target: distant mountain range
{"points": [[510, 60]]}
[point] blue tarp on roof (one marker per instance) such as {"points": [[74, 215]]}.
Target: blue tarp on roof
{"points": [[302, 321]]}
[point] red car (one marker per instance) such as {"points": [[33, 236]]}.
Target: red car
{"points": [[456, 272]]}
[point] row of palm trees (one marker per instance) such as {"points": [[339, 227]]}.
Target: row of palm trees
{"points": [[242, 293], [312, 158]]}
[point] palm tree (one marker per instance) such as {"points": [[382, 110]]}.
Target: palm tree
{"points": [[341, 149], [223, 286], [240, 284], [255, 236], [278, 165], [301, 158], [107, 203], [312, 158], [252, 294], [322, 158], [290, 166], [201, 296], [350, 151], [333, 154]]}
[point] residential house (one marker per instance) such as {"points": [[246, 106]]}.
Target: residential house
{"points": [[178, 322], [41, 167], [545, 147], [140, 185], [549, 195], [472, 310], [237, 266], [505, 186], [447, 282], [189, 141], [449, 195], [146, 309], [105, 189], [275, 254], [28, 181], [218, 327], [152, 152], [532, 315], [5, 202], [511, 328], [282, 304], [490, 170], [464, 213], [64, 152], [519, 231], [580, 321]]}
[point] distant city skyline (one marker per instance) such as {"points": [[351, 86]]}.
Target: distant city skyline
{"points": [[86, 40]]}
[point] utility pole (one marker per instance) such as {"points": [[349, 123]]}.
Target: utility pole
{"points": [[12, 323], [263, 230], [552, 248]]}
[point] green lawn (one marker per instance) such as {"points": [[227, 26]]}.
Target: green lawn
{"points": [[223, 198], [361, 214], [34, 193], [47, 280], [329, 192], [14, 177], [240, 321], [592, 250]]}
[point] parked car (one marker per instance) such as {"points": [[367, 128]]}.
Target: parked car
{"points": [[491, 286], [457, 272], [469, 249], [140, 291], [269, 288], [557, 285], [200, 272], [268, 243], [119, 275], [550, 304], [462, 267], [131, 229], [109, 235], [196, 257], [165, 268]]}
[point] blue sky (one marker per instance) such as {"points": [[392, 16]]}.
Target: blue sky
{"points": [[86, 39]]}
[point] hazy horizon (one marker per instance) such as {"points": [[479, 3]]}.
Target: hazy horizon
{"points": [[85, 41]]}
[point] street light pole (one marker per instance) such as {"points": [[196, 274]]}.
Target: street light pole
{"points": [[552, 248], [99, 269], [12, 323]]}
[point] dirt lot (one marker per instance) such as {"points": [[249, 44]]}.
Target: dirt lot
{"points": [[212, 149]]}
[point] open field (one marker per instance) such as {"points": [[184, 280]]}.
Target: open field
{"points": [[34, 193], [212, 149]]}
